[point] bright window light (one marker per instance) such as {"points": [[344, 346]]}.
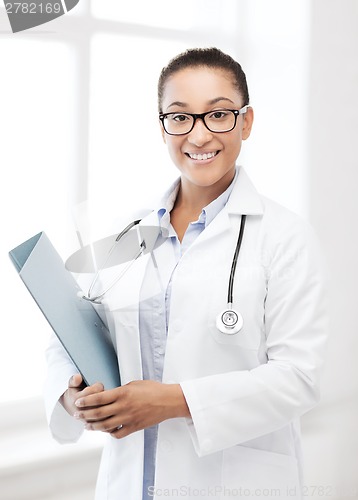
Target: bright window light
{"points": [[128, 159], [155, 13], [37, 152]]}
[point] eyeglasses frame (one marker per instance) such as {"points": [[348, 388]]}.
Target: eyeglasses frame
{"points": [[202, 116]]}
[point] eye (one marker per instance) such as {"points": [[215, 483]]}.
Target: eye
{"points": [[177, 117], [219, 115]]}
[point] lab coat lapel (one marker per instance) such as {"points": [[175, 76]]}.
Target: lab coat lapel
{"points": [[121, 305], [126, 318], [244, 199], [161, 254]]}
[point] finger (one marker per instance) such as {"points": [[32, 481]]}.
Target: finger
{"points": [[122, 431], [94, 414], [95, 398], [75, 381], [106, 425], [91, 389]]}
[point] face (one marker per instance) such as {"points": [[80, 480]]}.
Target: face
{"points": [[198, 90]]}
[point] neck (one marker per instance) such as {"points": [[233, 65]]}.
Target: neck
{"points": [[194, 198]]}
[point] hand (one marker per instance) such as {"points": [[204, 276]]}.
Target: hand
{"points": [[132, 407], [76, 387]]}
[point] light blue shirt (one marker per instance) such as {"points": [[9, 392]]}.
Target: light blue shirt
{"points": [[154, 311]]}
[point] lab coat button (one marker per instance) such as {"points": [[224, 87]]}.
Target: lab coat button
{"points": [[207, 444]]}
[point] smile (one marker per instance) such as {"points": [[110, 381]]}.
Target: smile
{"points": [[204, 156]]}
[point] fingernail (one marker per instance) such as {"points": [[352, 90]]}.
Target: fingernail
{"points": [[77, 414], [78, 402]]}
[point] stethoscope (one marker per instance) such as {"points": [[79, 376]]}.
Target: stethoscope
{"points": [[97, 299], [228, 322], [231, 321]]}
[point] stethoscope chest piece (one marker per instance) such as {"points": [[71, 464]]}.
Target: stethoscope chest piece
{"points": [[229, 322]]}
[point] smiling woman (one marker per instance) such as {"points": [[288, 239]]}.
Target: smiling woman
{"points": [[119, 48], [211, 135], [201, 399]]}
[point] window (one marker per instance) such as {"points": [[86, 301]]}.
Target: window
{"points": [[37, 130], [81, 141]]}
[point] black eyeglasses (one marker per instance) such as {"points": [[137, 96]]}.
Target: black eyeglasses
{"points": [[218, 121]]}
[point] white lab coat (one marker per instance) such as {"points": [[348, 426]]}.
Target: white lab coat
{"points": [[246, 391]]}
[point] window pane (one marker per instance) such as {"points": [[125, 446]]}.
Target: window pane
{"points": [[128, 160], [276, 66], [179, 15], [37, 133], [154, 13]]}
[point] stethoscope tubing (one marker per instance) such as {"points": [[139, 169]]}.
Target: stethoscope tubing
{"points": [[234, 260], [142, 246]]}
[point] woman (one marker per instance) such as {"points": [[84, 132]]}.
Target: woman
{"points": [[204, 411]]}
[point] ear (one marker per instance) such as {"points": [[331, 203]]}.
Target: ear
{"points": [[248, 121]]}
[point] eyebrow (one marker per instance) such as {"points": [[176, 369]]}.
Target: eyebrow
{"points": [[211, 102]]}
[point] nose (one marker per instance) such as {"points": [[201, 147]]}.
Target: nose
{"points": [[200, 135]]}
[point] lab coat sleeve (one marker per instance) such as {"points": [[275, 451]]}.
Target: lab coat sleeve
{"points": [[64, 428], [230, 408]]}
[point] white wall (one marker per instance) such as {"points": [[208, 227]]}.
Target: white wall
{"points": [[332, 125]]}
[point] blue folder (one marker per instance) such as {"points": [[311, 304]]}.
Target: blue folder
{"points": [[74, 320]]}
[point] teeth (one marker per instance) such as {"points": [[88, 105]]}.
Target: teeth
{"points": [[205, 156]]}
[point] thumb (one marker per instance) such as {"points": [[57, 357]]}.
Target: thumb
{"points": [[75, 380]]}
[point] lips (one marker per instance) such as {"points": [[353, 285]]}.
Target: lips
{"points": [[202, 156]]}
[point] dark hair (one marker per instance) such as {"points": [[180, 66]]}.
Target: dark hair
{"points": [[209, 57]]}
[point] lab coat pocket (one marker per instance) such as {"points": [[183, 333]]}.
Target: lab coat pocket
{"points": [[260, 473]]}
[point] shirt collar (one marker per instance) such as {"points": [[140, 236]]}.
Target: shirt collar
{"points": [[166, 205]]}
